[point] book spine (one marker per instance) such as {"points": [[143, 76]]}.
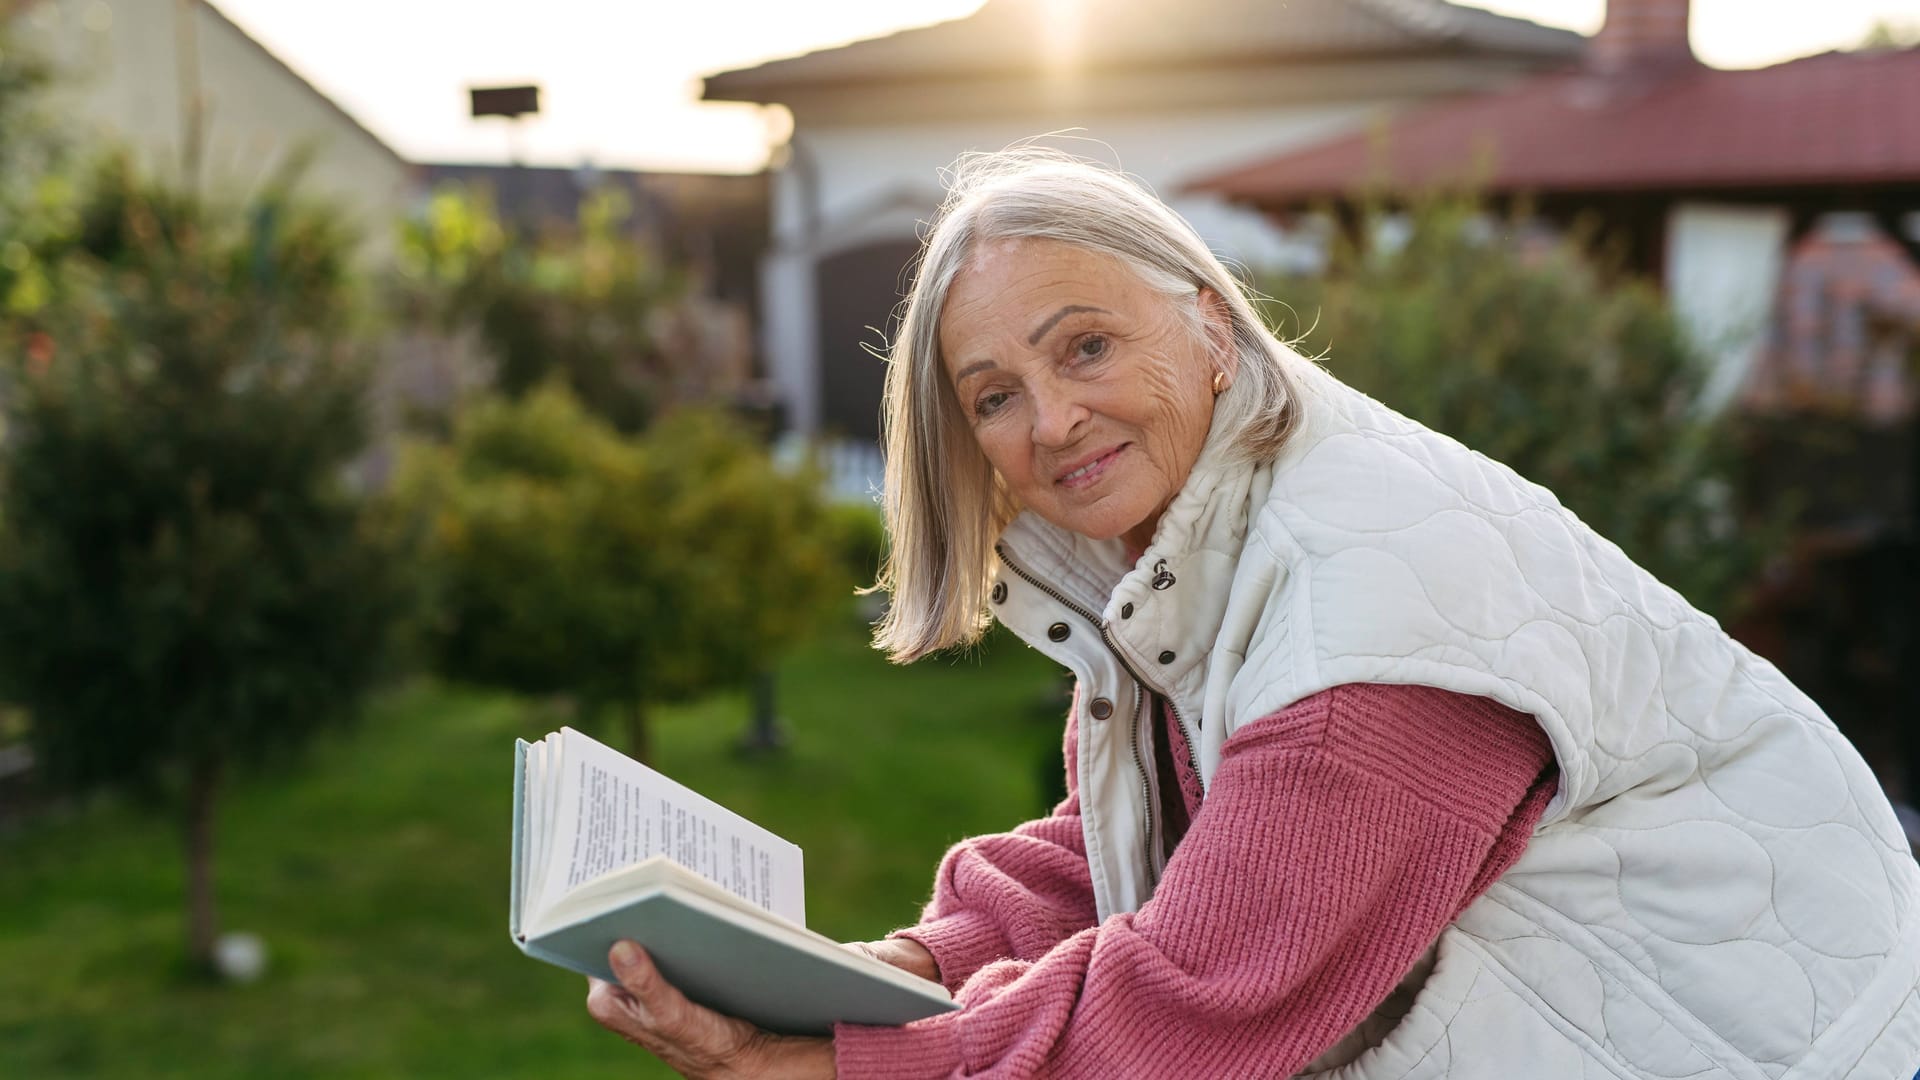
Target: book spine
{"points": [[519, 876]]}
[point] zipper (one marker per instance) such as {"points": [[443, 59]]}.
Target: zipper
{"points": [[1186, 734], [1140, 686], [1146, 779], [1154, 856]]}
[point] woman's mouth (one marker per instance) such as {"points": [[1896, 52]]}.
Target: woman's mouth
{"points": [[1091, 471]]}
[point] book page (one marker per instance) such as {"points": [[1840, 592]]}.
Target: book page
{"points": [[612, 812]]}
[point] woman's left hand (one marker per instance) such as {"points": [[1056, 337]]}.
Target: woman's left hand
{"points": [[697, 1042]]}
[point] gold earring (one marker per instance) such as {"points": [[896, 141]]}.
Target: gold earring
{"points": [[1219, 382]]}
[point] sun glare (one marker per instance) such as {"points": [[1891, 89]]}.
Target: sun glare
{"points": [[620, 79], [1062, 25]]}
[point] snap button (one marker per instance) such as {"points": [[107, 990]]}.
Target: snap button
{"points": [[1101, 708], [999, 592], [1058, 631], [1126, 611], [1167, 657], [1162, 578]]}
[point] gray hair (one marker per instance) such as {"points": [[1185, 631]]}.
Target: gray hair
{"points": [[944, 505]]}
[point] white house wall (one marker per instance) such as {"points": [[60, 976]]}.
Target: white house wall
{"points": [[122, 61], [1723, 276], [857, 166], [851, 185]]}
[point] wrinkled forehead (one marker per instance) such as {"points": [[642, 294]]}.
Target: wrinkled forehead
{"points": [[1007, 293]]}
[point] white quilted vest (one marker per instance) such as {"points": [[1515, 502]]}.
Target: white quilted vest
{"points": [[1718, 890]]}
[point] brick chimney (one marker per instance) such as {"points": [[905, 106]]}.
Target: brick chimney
{"points": [[1642, 35]]}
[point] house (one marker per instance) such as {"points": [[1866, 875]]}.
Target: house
{"points": [[194, 97], [1780, 210], [1171, 91], [1707, 177]]}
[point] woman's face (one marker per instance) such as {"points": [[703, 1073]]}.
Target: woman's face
{"points": [[1087, 390]]}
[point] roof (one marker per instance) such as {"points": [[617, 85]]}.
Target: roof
{"points": [[273, 58], [1015, 37], [1835, 118], [221, 18]]}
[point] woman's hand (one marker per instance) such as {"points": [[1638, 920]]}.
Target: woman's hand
{"points": [[904, 953], [695, 1041]]}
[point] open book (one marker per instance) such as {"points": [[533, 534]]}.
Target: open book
{"points": [[605, 848]]}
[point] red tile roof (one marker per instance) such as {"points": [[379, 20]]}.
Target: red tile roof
{"points": [[1832, 119]]}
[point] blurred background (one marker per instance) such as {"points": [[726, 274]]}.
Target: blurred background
{"points": [[380, 382]]}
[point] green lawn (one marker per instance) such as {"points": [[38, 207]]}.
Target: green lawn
{"points": [[377, 875]]}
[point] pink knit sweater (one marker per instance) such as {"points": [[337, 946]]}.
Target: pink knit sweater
{"points": [[1341, 836]]}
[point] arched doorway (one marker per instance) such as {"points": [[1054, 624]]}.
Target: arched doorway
{"points": [[856, 291]]}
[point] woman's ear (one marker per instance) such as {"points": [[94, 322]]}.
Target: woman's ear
{"points": [[1216, 318]]}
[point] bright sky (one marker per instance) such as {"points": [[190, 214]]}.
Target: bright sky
{"points": [[620, 78]]}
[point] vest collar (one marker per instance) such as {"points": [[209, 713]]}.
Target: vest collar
{"points": [[1159, 612], [1087, 572]]}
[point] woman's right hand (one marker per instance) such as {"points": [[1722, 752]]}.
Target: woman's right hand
{"points": [[904, 953]]}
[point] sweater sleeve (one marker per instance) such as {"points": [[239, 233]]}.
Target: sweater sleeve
{"points": [[1340, 837], [1010, 895]]}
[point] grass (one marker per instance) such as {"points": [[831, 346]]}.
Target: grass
{"points": [[376, 874]]}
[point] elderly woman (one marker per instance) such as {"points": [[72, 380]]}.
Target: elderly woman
{"points": [[1381, 764]]}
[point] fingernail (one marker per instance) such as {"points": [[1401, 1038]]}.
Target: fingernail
{"points": [[626, 954]]}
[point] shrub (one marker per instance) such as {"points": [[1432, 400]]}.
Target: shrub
{"points": [[575, 305], [568, 558], [1528, 353], [860, 537]]}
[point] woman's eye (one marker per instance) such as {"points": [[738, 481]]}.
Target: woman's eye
{"points": [[988, 404], [1091, 347]]}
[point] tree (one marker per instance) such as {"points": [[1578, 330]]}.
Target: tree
{"points": [[577, 305], [37, 211], [186, 589], [1529, 354], [1890, 34], [567, 558]]}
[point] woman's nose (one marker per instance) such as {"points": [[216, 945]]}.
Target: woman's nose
{"points": [[1057, 414]]}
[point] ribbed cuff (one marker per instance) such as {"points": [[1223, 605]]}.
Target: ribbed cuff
{"points": [[961, 943], [923, 1050]]}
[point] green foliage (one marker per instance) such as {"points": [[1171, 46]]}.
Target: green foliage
{"points": [[577, 305], [379, 877], [860, 536], [183, 581], [1530, 355], [37, 210], [567, 558]]}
